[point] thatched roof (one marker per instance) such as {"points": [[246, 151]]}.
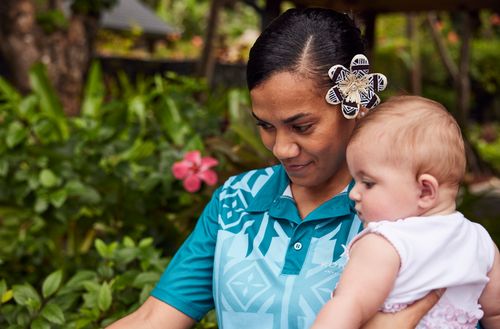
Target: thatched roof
{"points": [[129, 13]]}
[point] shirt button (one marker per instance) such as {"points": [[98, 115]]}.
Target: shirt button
{"points": [[297, 246]]}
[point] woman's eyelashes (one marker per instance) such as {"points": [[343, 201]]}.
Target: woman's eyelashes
{"points": [[301, 129], [264, 125]]}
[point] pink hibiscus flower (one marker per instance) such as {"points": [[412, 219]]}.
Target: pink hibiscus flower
{"points": [[194, 169]]}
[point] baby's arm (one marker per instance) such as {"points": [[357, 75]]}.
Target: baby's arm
{"points": [[364, 285], [490, 298]]}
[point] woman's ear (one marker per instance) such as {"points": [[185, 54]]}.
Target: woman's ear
{"points": [[429, 189]]}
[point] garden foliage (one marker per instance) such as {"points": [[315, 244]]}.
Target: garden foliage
{"points": [[82, 199]]}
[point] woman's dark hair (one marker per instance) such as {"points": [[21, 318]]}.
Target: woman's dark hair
{"points": [[308, 42]]}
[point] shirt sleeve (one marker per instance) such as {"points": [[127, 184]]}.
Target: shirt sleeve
{"points": [[187, 282]]}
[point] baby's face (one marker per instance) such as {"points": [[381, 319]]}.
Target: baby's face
{"points": [[382, 190]]}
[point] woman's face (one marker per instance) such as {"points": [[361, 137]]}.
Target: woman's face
{"points": [[305, 133]]}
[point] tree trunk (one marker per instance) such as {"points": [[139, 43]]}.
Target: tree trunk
{"points": [[416, 70], [460, 77], [206, 66], [66, 53]]}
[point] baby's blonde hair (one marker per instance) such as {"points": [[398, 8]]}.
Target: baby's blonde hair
{"points": [[419, 132]]}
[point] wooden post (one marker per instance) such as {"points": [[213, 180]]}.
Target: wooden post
{"points": [[415, 69], [206, 65], [369, 19]]}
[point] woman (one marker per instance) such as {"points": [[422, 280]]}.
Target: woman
{"points": [[266, 250]]}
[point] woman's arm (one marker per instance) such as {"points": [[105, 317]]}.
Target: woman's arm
{"points": [[154, 314], [490, 298], [407, 318], [364, 285]]}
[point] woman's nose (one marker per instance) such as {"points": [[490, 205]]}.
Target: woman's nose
{"points": [[285, 147]]}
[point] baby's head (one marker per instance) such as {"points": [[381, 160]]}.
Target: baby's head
{"points": [[414, 135]]}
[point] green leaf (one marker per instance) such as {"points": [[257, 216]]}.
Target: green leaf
{"points": [[26, 295], [49, 101], [101, 247], [23, 319], [57, 198], [27, 107], [16, 133], [146, 278], [80, 276], [47, 178], [53, 313], [3, 287], [4, 167], [86, 193], [105, 298], [51, 283], [94, 91], [195, 143], [41, 204], [40, 324], [6, 296], [126, 255], [137, 108], [8, 92], [128, 242], [145, 292], [146, 242], [173, 124]]}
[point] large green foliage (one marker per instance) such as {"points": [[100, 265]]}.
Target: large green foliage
{"points": [[67, 184], [93, 296]]}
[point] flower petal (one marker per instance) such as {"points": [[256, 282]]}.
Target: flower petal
{"points": [[360, 65], [334, 96], [350, 110], [192, 183], [193, 157], [378, 81], [337, 73], [208, 162], [373, 101], [181, 169], [208, 176]]}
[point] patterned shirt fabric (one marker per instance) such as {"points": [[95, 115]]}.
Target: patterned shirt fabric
{"points": [[255, 260]]}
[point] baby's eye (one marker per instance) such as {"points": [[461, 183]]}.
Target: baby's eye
{"points": [[302, 128], [368, 184]]}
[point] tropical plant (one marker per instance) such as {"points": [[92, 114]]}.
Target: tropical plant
{"points": [[70, 183]]}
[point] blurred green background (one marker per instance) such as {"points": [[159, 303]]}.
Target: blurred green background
{"points": [[90, 212]]}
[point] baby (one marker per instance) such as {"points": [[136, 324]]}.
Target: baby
{"points": [[407, 159]]}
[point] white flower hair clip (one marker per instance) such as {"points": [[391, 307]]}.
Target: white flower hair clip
{"points": [[355, 87]]}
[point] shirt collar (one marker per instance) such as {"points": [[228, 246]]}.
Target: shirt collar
{"points": [[273, 189], [277, 199]]}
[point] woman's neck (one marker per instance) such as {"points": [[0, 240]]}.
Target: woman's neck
{"points": [[309, 198]]}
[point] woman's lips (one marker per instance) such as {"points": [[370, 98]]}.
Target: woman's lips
{"points": [[296, 168]]}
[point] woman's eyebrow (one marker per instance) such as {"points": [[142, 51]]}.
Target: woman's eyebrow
{"points": [[287, 120]]}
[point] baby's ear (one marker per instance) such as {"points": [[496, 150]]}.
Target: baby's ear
{"points": [[429, 186]]}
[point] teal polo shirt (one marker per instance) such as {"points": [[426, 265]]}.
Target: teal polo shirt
{"points": [[255, 260]]}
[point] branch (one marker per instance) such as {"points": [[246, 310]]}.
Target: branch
{"points": [[451, 67]]}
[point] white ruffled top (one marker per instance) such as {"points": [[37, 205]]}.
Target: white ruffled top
{"points": [[436, 252]]}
